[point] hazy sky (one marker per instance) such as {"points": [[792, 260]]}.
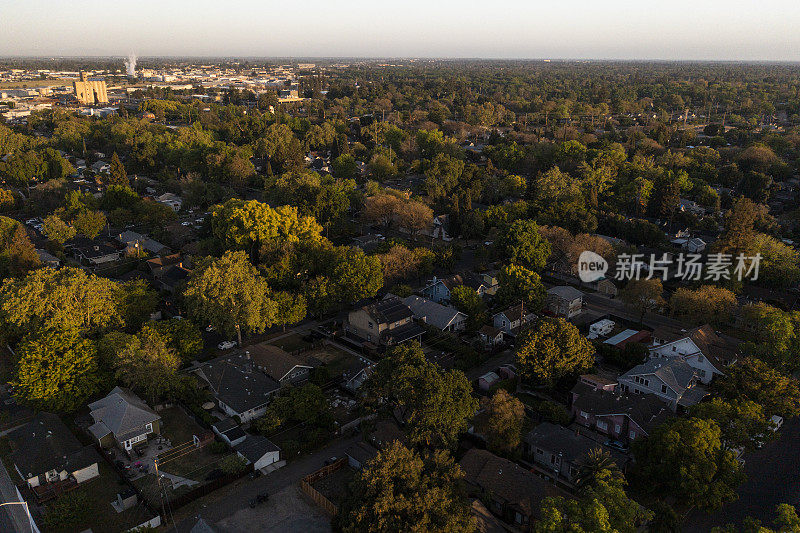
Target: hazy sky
{"points": [[597, 29]]}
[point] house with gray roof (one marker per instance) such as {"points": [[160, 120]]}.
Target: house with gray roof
{"points": [[124, 419], [45, 452], [386, 323], [442, 317], [564, 301], [239, 388], [278, 364], [672, 381], [559, 450], [258, 450]]}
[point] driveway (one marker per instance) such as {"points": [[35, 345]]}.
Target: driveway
{"points": [[228, 501], [773, 477]]}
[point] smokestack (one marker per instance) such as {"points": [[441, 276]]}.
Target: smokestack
{"points": [[130, 65]]}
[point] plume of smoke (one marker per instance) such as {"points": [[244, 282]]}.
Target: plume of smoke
{"points": [[130, 64]]}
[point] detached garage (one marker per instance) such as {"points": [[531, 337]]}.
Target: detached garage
{"points": [[258, 450]]}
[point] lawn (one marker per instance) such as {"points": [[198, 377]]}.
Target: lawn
{"points": [[184, 459], [291, 343], [96, 512], [336, 360]]}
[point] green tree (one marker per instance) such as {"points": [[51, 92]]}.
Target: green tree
{"points": [[181, 336], [467, 301], [117, 175], [229, 294], [742, 422], [148, 366], [685, 459], [434, 404], [519, 284], [708, 304], [67, 300], [233, 464], [89, 223], [401, 491], [552, 349], [522, 243], [291, 308], [643, 295], [57, 230], [594, 467], [57, 371], [502, 421], [136, 302], [17, 254], [753, 379]]}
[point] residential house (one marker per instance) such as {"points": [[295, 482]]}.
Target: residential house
{"points": [[44, 452], [441, 317], [158, 266], [136, 244], [173, 276], [439, 290], [94, 251], [701, 348], [695, 245], [48, 259], [564, 301], [238, 387], [508, 490], [559, 450], [385, 323], [171, 200], [672, 381], [485, 284], [278, 364], [605, 286], [490, 336], [621, 416], [598, 382], [122, 418], [691, 207], [357, 374], [259, 451], [385, 433], [511, 320], [101, 167]]}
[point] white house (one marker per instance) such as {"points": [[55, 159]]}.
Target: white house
{"points": [[259, 451], [701, 348], [172, 200]]}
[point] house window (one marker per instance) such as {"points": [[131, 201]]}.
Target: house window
{"points": [[617, 428], [371, 325], [601, 425], [674, 348], [149, 428], [585, 415], [646, 382], [699, 358], [553, 459], [517, 518], [632, 435]]}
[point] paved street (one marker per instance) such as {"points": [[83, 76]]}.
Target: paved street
{"points": [[773, 477], [223, 503]]}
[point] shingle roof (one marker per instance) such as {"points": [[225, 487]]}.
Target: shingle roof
{"points": [[570, 443], [646, 410], [363, 452], [254, 447], [45, 444], [121, 413], [234, 382], [566, 292], [440, 316], [675, 372], [273, 360], [506, 481]]}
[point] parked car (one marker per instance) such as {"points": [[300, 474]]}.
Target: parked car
{"points": [[226, 345], [617, 445]]}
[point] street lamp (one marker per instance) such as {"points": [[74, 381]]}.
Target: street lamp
{"points": [[27, 511]]}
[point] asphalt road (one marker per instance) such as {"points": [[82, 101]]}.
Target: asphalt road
{"points": [[773, 477], [225, 502]]}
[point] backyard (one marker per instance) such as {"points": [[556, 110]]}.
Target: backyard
{"points": [[89, 505]]}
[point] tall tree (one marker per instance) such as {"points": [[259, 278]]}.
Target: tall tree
{"points": [[117, 175], [57, 371], [522, 243], [229, 294], [501, 421], [434, 404], [401, 491], [551, 349], [684, 459], [643, 295]]}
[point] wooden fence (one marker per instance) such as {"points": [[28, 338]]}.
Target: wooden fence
{"points": [[314, 494]]}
